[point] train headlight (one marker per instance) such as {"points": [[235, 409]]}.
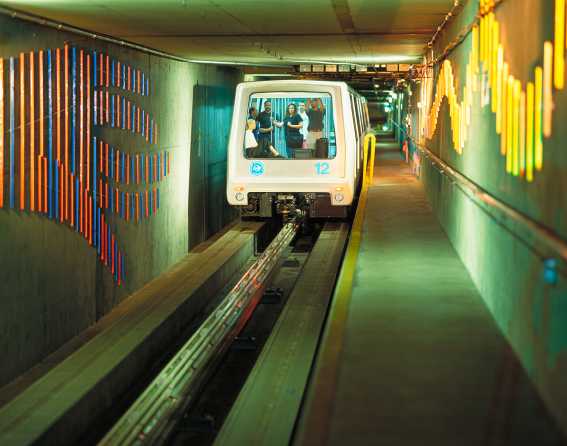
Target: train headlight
{"points": [[339, 197], [239, 196]]}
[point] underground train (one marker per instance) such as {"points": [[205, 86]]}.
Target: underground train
{"points": [[296, 147]]}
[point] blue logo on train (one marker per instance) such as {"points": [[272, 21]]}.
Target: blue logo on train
{"points": [[257, 168]]}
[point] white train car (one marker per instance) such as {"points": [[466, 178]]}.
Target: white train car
{"points": [[273, 170]]}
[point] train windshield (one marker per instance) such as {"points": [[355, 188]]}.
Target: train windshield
{"points": [[290, 126]]}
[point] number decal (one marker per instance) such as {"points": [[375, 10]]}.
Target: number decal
{"points": [[323, 168]]}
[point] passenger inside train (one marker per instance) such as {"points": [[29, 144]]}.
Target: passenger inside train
{"points": [[290, 126]]}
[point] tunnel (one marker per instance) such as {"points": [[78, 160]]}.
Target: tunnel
{"points": [[314, 222]]}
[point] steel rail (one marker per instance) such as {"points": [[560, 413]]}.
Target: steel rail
{"points": [[148, 421]]}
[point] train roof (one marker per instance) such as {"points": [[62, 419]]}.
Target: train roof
{"points": [[292, 82]]}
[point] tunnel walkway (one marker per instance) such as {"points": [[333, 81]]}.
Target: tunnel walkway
{"points": [[420, 360]]}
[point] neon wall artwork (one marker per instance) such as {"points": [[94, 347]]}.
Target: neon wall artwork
{"points": [[51, 101], [523, 112]]}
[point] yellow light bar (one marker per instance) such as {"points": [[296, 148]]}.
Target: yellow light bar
{"points": [[559, 63], [522, 133], [504, 135], [538, 126], [494, 63], [547, 88], [509, 123], [516, 128], [498, 89], [530, 117]]}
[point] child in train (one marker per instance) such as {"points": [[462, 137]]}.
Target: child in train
{"points": [[253, 149]]}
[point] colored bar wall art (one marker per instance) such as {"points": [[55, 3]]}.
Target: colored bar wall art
{"points": [[51, 162], [523, 111]]}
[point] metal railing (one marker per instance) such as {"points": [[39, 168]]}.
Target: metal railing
{"points": [[495, 207]]}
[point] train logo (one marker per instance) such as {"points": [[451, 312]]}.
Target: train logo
{"points": [[257, 168]]}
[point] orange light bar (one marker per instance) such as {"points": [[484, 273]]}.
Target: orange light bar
{"points": [[101, 155], [22, 133], [101, 65], [1, 132], [106, 159], [72, 200], [154, 201], [117, 166], [81, 119], [58, 102], [41, 136], [147, 166], [146, 205], [45, 185], [155, 167], [32, 133], [66, 140], [90, 224], [88, 146], [61, 188], [107, 74]]}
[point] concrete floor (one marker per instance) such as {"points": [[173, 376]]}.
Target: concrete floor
{"points": [[422, 360]]}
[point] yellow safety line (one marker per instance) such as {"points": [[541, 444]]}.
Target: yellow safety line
{"points": [[316, 426]]}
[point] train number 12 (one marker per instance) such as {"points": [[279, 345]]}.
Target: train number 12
{"points": [[322, 168]]}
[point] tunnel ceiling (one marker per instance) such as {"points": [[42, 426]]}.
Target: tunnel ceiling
{"points": [[259, 32]]}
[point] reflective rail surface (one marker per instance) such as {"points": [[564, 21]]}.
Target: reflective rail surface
{"points": [[149, 419]]}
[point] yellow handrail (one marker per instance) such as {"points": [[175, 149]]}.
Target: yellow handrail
{"points": [[369, 142]]}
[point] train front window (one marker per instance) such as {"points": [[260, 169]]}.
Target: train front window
{"points": [[290, 126]]}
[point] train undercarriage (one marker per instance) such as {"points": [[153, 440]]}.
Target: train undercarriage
{"points": [[291, 205]]}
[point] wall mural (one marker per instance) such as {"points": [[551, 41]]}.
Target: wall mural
{"points": [[523, 112], [53, 165]]}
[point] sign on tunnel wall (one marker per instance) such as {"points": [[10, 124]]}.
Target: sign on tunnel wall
{"points": [[52, 164]]}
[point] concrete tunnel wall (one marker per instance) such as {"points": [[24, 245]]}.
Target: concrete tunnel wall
{"points": [[52, 285], [504, 261]]}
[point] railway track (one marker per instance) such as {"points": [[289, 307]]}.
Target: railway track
{"points": [[182, 385]]}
